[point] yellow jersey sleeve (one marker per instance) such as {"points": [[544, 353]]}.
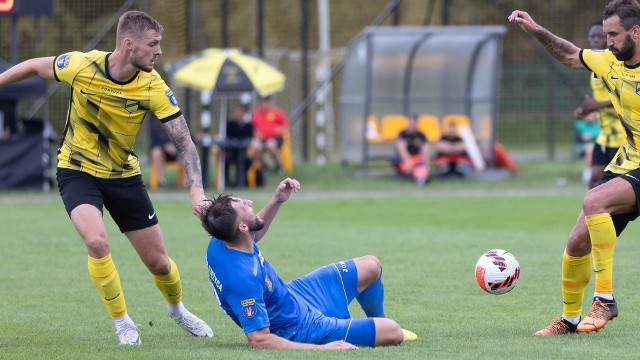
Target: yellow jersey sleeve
{"points": [[596, 61], [163, 102]]}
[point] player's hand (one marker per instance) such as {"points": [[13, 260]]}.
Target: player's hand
{"points": [[523, 19], [285, 188], [196, 193], [339, 345], [589, 104], [578, 112]]}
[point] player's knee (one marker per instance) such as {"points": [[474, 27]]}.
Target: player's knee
{"points": [[372, 262], [595, 202], [369, 267], [388, 332], [97, 245], [159, 265], [579, 243]]}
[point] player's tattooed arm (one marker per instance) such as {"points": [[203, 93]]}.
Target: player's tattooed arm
{"points": [[561, 49], [178, 131]]}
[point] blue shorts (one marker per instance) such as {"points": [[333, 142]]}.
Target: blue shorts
{"points": [[327, 292]]}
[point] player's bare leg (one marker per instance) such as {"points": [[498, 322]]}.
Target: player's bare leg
{"points": [[617, 196], [88, 221], [149, 244]]}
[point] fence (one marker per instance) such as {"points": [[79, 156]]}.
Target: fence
{"points": [[536, 99]]}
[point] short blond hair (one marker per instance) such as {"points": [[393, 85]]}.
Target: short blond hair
{"points": [[134, 23]]}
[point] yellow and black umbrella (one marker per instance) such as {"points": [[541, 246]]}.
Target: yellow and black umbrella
{"points": [[228, 70]]}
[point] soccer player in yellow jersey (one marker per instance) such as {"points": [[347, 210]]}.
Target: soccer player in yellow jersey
{"points": [[608, 207], [111, 93], [611, 131]]}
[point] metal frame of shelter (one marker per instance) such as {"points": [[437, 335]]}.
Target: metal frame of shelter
{"points": [[434, 70]]}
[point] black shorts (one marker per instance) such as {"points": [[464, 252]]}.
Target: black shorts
{"points": [[126, 199], [602, 155], [620, 221]]}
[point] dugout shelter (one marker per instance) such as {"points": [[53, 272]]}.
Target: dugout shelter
{"points": [[442, 73]]}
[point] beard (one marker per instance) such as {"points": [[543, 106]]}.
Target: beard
{"points": [[626, 52], [256, 225], [145, 68]]}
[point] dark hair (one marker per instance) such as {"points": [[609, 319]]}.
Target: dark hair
{"points": [[136, 22], [627, 10], [219, 218]]}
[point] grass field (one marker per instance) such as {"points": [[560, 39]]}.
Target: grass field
{"points": [[428, 240]]}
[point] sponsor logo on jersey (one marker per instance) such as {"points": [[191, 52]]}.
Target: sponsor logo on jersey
{"points": [[638, 88], [110, 90], [249, 308], [171, 97], [214, 279], [63, 61]]}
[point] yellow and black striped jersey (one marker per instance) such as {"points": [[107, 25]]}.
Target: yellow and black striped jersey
{"points": [[611, 131], [105, 115], [623, 85]]}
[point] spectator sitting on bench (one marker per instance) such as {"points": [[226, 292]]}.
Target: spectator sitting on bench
{"points": [[413, 153], [451, 154], [269, 124], [162, 149], [240, 132]]}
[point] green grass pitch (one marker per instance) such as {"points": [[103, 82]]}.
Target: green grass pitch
{"points": [[427, 239]]}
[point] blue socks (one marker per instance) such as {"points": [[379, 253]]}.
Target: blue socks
{"points": [[372, 299]]}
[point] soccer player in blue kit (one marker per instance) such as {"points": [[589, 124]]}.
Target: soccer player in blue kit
{"points": [[311, 312]]}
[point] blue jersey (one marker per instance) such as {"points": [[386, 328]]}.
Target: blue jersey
{"points": [[311, 309], [250, 292]]}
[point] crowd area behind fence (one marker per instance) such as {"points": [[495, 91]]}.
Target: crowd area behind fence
{"points": [[537, 95]]}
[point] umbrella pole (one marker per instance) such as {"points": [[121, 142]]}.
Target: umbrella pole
{"points": [[222, 136]]}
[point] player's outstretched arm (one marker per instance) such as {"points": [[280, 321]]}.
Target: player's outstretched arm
{"points": [[178, 131], [42, 67], [264, 339], [561, 49], [269, 211], [590, 104]]}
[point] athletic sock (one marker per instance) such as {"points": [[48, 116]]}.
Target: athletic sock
{"points": [[572, 319], [608, 297], [603, 242], [576, 273], [175, 309], [372, 299], [120, 321], [170, 285], [105, 277]]}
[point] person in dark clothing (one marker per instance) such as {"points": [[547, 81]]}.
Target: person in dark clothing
{"points": [[239, 134]]}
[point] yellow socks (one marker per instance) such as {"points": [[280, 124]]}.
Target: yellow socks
{"points": [[576, 273], [603, 242], [105, 277], [170, 285]]}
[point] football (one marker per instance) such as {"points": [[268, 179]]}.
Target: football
{"points": [[497, 271]]}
